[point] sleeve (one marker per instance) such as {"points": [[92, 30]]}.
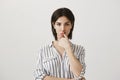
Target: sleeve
{"points": [[81, 57], [82, 60], [39, 72]]}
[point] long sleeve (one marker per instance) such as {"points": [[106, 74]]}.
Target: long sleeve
{"points": [[49, 63], [82, 60], [80, 54], [39, 72]]}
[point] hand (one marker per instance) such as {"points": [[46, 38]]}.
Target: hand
{"points": [[83, 78], [64, 42], [71, 79]]}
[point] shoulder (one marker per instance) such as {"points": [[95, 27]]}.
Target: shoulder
{"points": [[41, 51], [77, 47], [46, 52], [45, 47]]}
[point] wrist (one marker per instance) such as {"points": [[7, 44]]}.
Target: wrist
{"points": [[78, 78], [68, 48]]}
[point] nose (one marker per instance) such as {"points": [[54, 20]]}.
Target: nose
{"points": [[63, 27]]}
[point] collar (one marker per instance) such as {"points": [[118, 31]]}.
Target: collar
{"points": [[51, 44]]}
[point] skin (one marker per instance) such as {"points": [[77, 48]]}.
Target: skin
{"points": [[63, 27]]}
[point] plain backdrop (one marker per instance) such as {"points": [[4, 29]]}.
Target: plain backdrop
{"points": [[25, 26]]}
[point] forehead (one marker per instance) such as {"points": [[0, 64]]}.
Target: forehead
{"points": [[63, 19]]}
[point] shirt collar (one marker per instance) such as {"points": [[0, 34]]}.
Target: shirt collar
{"points": [[51, 44]]}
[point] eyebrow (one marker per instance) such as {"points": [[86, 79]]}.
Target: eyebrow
{"points": [[60, 22]]}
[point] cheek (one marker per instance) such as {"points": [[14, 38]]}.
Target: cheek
{"points": [[68, 32], [57, 30]]}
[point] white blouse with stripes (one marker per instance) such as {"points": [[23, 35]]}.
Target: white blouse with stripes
{"points": [[50, 62]]}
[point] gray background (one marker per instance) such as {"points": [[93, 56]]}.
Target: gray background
{"points": [[25, 25]]}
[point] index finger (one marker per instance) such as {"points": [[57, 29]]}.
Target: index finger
{"points": [[65, 36]]}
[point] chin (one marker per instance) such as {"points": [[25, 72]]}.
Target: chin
{"points": [[59, 38]]}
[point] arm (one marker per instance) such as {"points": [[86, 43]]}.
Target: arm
{"points": [[54, 78], [76, 65], [40, 73]]}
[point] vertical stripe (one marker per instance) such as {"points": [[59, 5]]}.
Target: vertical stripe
{"points": [[55, 65]]}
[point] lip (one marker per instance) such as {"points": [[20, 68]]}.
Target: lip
{"points": [[62, 32]]}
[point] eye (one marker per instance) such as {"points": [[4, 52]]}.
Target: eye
{"points": [[67, 24], [58, 24]]}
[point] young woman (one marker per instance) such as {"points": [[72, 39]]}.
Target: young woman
{"points": [[61, 60]]}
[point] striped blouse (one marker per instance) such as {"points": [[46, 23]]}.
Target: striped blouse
{"points": [[50, 62]]}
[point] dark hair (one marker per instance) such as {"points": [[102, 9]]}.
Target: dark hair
{"points": [[59, 13]]}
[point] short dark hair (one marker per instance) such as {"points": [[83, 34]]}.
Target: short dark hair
{"points": [[59, 13]]}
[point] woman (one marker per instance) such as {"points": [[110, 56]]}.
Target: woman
{"points": [[61, 60]]}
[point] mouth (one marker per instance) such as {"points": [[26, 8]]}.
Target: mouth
{"points": [[62, 34]]}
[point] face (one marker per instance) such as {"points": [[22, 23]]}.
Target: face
{"points": [[62, 26]]}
